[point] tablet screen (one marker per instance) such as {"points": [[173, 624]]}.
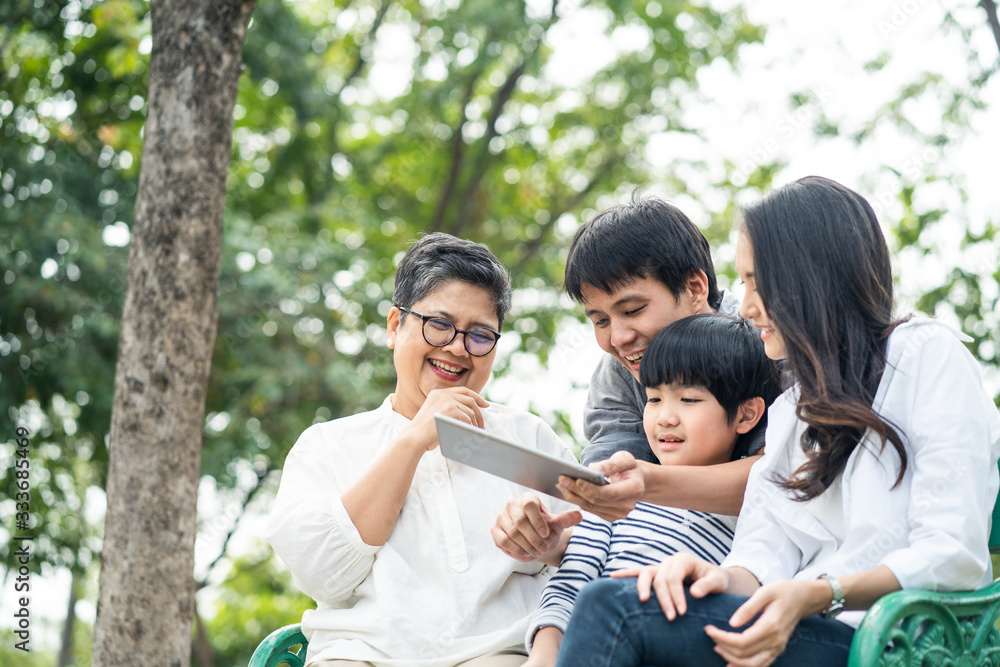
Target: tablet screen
{"points": [[505, 458]]}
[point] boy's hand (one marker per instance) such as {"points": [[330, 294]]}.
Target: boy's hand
{"points": [[526, 531], [611, 501]]}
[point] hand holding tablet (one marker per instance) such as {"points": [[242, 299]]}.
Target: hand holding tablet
{"points": [[507, 459]]}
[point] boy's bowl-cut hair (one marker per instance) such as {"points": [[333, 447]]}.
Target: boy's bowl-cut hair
{"points": [[722, 353]]}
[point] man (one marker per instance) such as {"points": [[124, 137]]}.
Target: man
{"points": [[636, 268]]}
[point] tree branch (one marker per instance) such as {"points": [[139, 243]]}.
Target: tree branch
{"points": [[457, 154], [503, 96], [11, 23], [66, 644], [611, 160], [991, 11], [360, 62], [251, 493], [315, 195]]}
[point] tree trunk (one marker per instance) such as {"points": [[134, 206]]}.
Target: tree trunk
{"points": [[66, 646], [146, 601]]}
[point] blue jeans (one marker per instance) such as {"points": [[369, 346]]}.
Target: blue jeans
{"points": [[611, 627]]}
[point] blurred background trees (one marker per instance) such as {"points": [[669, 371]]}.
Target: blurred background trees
{"points": [[359, 125]]}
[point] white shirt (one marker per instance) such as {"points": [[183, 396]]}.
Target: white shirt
{"points": [[932, 530], [828, 507], [438, 591]]}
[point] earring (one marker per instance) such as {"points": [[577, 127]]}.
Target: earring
{"points": [[388, 342]]}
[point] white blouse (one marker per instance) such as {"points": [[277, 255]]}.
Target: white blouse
{"points": [[438, 591], [828, 507], [932, 530]]}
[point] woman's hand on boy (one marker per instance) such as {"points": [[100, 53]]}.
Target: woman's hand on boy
{"points": [[668, 578], [780, 605], [527, 531], [611, 501]]}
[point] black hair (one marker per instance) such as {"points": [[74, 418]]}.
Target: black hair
{"points": [[438, 258], [722, 353], [823, 274], [647, 238]]}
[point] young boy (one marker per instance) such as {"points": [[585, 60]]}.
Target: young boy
{"points": [[708, 385]]}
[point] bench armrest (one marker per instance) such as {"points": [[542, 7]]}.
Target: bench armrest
{"points": [[276, 649], [916, 627]]}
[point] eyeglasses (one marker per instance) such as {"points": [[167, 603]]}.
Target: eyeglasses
{"points": [[440, 332]]}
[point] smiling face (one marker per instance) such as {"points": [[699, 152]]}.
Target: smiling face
{"points": [[421, 367], [686, 425], [627, 318], [752, 307]]}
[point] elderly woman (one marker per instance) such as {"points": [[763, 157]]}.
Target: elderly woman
{"points": [[391, 539]]}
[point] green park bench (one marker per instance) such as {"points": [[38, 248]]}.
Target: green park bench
{"points": [[904, 628]]}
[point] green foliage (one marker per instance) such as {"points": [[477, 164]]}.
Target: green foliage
{"points": [[36, 657], [338, 162], [67, 131], [334, 172], [331, 180], [255, 599], [926, 200]]}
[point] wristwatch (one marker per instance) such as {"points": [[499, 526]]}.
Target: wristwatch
{"points": [[837, 603]]}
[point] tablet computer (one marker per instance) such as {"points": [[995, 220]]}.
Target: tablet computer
{"points": [[505, 458]]}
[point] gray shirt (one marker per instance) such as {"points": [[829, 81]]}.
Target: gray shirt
{"points": [[612, 417]]}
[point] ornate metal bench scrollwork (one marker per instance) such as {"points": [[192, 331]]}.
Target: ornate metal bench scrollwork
{"points": [[276, 649]]}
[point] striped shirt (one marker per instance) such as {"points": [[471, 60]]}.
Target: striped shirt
{"points": [[646, 536]]}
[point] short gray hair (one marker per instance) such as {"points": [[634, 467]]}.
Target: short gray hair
{"points": [[438, 258]]}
